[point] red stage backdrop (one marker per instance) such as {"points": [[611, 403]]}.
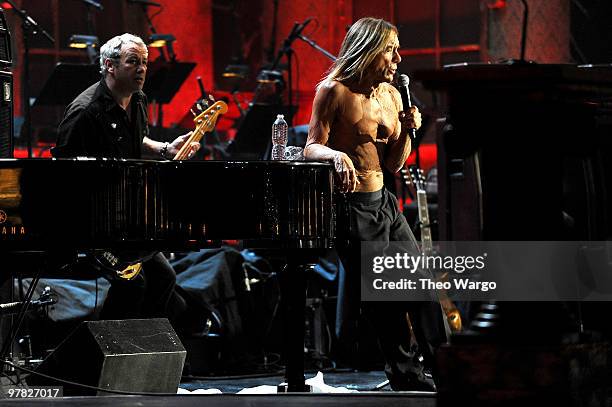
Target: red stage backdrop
{"points": [[431, 33], [190, 22]]}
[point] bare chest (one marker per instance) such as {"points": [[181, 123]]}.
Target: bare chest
{"points": [[374, 116]]}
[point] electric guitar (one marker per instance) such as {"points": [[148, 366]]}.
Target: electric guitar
{"points": [[124, 266], [204, 122], [416, 178]]}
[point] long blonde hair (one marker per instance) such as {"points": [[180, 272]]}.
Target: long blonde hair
{"points": [[366, 38]]}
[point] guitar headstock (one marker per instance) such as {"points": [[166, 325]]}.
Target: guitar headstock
{"points": [[203, 102], [206, 120], [198, 107], [417, 177]]}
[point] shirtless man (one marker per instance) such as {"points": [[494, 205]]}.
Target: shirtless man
{"points": [[359, 124]]}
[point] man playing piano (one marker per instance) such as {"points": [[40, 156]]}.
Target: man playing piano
{"points": [[358, 123], [109, 119]]}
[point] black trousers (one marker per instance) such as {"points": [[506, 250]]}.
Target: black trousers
{"points": [[151, 294], [375, 216]]}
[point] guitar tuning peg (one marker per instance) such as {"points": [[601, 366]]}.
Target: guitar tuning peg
{"points": [[193, 113], [199, 106]]}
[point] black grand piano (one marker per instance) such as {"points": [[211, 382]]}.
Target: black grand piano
{"points": [[134, 206]]}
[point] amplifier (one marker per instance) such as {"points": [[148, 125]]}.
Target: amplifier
{"points": [[6, 56], [6, 114]]}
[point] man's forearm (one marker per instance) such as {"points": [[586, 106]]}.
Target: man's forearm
{"points": [[319, 152], [397, 152], [152, 148]]}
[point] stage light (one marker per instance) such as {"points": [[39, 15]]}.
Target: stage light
{"points": [[268, 76], [163, 40], [83, 41], [87, 42], [236, 71]]}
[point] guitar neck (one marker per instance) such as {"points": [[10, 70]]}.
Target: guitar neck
{"points": [[205, 122], [426, 240]]}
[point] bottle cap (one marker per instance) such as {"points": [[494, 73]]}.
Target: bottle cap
{"points": [[280, 116]]}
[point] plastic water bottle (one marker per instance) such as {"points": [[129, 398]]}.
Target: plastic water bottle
{"points": [[279, 137]]}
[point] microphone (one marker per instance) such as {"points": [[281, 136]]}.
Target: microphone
{"points": [[303, 25], [298, 28], [145, 2], [406, 102]]}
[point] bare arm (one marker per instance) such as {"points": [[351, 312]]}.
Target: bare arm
{"points": [[155, 149], [399, 145], [324, 109]]}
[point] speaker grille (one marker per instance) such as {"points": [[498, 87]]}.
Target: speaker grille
{"points": [[6, 114], [5, 42]]}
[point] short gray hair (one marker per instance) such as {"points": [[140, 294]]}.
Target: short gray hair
{"points": [[112, 48]]}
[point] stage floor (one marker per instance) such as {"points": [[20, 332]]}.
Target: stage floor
{"points": [[388, 399], [351, 380], [363, 383]]}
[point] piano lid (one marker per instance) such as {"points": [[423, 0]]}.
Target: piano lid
{"points": [[512, 75]]}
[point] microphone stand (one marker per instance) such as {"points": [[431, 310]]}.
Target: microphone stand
{"points": [[90, 4], [145, 11], [29, 27], [162, 57], [270, 50], [524, 29], [317, 47], [296, 32], [288, 51]]}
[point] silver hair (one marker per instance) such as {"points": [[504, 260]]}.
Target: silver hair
{"points": [[112, 49]]}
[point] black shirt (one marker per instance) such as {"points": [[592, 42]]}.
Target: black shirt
{"points": [[94, 125]]}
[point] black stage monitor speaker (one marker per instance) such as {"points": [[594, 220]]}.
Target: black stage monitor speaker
{"points": [[6, 114], [137, 355]]}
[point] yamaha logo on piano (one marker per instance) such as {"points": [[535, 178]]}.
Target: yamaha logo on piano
{"points": [[10, 230]]}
